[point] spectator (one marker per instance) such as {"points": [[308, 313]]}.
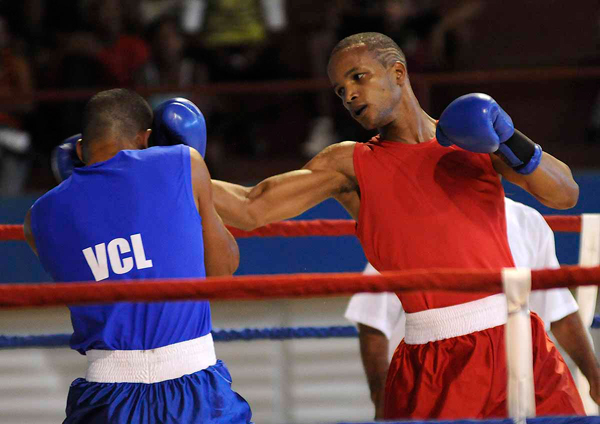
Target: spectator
{"points": [[429, 35], [152, 10], [133, 19], [100, 55], [349, 17], [316, 26], [119, 54], [168, 66], [593, 128], [16, 92], [235, 40]]}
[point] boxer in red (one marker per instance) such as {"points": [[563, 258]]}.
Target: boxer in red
{"points": [[424, 195]]}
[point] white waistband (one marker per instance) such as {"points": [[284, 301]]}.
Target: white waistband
{"points": [[152, 365], [444, 323]]}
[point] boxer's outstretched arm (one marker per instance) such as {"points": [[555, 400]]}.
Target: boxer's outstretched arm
{"points": [[329, 174], [551, 183], [276, 198]]}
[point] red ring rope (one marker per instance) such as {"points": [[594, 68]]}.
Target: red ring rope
{"points": [[281, 286], [317, 227]]}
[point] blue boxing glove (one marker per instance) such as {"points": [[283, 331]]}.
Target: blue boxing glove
{"points": [[64, 158], [475, 122], [178, 121]]}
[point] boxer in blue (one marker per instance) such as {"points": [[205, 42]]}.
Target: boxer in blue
{"points": [[131, 212]]}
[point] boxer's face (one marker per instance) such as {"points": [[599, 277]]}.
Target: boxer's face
{"points": [[368, 90]]}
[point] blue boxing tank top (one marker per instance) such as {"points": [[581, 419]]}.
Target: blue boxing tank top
{"points": [[130, 217]]}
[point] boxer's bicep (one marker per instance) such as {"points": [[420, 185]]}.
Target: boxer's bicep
{"points": [[340, 157], [221, 253], [288, 195]]}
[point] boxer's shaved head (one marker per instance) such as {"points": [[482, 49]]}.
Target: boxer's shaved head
{"points": [[385, 50], [119, 114]]}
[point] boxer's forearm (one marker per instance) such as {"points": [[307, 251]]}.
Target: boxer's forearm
{"points": [[572, 336], [276, 198], [551, 183], [374, 355]]}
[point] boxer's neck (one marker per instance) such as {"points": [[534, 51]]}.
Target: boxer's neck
{"points": [[103, 150]]}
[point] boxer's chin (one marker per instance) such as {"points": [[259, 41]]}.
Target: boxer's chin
{"points": [[367, 124]]}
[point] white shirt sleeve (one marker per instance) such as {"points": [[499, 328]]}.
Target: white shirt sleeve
{"points": [[555, 304], [377, 310], [381, 311], [531, 242]]}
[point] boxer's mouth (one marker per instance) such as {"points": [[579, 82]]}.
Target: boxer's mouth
{"points": [[359, 111]]}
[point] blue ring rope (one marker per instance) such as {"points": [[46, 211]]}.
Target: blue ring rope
{"points": [[224, 335], [219, 335]]}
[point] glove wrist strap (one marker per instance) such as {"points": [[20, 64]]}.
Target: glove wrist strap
{"points": [[520, 153]]}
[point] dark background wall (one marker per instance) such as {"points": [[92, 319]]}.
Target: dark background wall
{"points": [[532, 33]]}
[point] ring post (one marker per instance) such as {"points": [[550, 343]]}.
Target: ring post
{"points": [[519, 350]]}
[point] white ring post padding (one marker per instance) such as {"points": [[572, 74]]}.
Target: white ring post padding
{"points": [[519, 350], [589, 255]]}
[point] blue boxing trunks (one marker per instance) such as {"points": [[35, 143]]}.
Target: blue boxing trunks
{"points": [[179, 383]]}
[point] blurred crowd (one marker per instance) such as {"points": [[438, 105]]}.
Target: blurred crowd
{"points": [[167, 46], [171, 45]]}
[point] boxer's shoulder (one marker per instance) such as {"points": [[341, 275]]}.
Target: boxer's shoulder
{"points": [[336, 157]]}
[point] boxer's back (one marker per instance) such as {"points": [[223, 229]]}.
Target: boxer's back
{"points": [[130, 217]]}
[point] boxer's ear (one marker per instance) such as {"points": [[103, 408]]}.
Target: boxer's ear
{"points": [[144, 137], [79, 150]]}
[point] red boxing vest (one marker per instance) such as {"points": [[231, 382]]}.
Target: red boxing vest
{"points": [[428, 206]]}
